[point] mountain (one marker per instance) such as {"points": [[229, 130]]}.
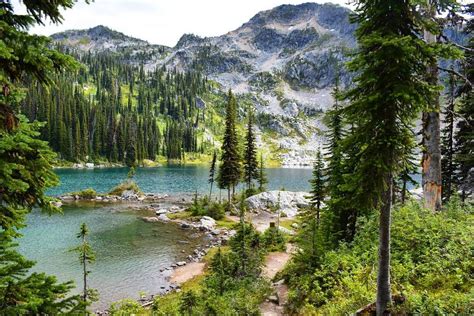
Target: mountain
{"points": [[283, 60]]}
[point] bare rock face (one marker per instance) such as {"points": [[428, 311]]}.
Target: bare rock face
{"points": [[288, 201]]}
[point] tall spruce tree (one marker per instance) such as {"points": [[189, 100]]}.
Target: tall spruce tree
{"points": [[464, 136], [337, 213], [386, 98], [250, 154], [447, 143], [230, 171], [316, 198], [26, 170], [212, 173]]}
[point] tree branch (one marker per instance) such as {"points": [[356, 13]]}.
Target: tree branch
{"points": [[454, 72]]}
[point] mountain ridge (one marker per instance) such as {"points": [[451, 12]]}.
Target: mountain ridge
{"points": [[283, 59]]}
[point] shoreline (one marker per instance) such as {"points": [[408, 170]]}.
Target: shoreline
{"points": [[156, 206]]}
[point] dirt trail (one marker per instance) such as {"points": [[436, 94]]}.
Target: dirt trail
{"points": [[274, 263], [187, 272]]}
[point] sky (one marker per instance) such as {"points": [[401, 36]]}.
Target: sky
{"points": [[163, 21]]}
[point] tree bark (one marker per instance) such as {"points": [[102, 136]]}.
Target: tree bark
{"points": [[383, 276], [431, 160]]}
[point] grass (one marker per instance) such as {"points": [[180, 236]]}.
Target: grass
{"points": [[226, 223], [170, 302], [180, 215], [286, 223]]}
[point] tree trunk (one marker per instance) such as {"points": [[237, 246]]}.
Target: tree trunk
{"points": [[84, 266], [383, 276], [431, 160], [210, 192]]}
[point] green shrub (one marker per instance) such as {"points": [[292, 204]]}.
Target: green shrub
{"points": [[204, 207], [216, 211], [127, 185], [126, 307], [431, 266], [86, 194], [273, 239]]}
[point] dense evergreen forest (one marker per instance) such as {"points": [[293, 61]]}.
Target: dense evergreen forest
{"points": [[363, 244], [111, 110]]}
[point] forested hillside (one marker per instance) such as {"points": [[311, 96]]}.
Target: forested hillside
{"points": [[111, 110]]}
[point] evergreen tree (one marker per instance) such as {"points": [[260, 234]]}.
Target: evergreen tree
{"points": [[339, 213], [230, 170], [384, 102], [212, 172], [317, 193], [447, 143], [26, 170], [316, 198], [250, 154], [262, 176], [464, 136], [86, 256]]}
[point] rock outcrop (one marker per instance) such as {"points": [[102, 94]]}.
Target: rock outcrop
{"points": [[288, 201]]}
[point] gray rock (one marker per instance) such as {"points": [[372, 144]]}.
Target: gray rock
{"points": [[181, 263], [207, 222], [289, 201], [161, 211]]}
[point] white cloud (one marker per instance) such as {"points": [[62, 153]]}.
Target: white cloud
{"points": [[163, 22]]}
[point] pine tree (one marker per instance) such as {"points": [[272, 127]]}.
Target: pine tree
{"points": [[250, 154], [317, 193], [447, 143], [212, 173], [230, 170], [86, 256], [262, 176], [316, 198], [464, 136], [26, 171], [386, 99]]}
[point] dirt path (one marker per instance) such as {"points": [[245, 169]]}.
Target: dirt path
{"points": [[274, 263], [187, 272]]}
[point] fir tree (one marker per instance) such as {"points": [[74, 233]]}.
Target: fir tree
{"points": [[312, 214], [447, 143], [317, 193], [86, 256], [26, 171], [250, 154], [230, 170], [212, 173], [464, 136], [386, 99]]}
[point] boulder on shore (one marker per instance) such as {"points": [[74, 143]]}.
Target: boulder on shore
{"points": [[288, 201], [207, 222]]}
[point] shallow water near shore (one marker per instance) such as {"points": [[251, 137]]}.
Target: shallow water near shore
{"points": [[129, 251]]}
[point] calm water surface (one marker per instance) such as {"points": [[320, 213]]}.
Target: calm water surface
{"points": [[129, 251], [171, 179]]}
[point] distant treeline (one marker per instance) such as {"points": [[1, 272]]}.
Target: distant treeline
{"points": [[112, 110]]}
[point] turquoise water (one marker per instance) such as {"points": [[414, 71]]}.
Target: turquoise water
{"points": [[129, 251], [171, 179]]}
